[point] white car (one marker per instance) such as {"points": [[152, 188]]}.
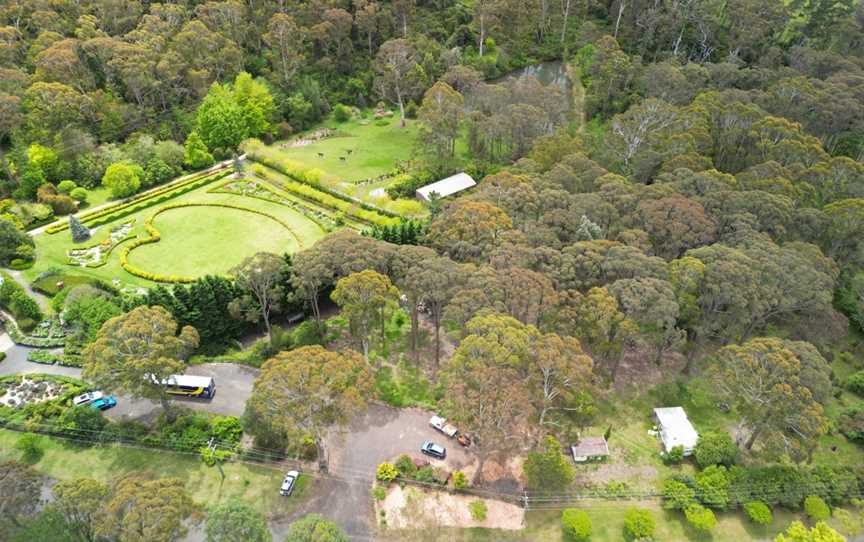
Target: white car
{"points": [[288, 483], [88, 397]]}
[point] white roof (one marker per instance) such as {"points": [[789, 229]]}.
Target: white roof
{"points": [[448, 186], [676, 429]]}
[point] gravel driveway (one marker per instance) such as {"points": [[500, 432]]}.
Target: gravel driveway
{"points": [[233, 388], [381, 434]]}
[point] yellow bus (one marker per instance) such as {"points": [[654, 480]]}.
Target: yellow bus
{"points": [[191, 386]]}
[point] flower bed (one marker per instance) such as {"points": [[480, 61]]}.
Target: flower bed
{"points": [[96, 255], [154, 237], [25, 340], [326, 200], [49, 329], [254, 189], [142, 201], [42, 356], [312, 177]]}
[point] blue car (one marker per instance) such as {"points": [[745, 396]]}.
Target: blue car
{"points": [[104, 403]]}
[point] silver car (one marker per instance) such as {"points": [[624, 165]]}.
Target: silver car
{"points": [[86, 398]]}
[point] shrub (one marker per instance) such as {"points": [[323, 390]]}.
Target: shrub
{"points": [[405, 465], [851, 423], [386, 472], [816, 508], [460, 481], [79, 194], [677, 495], [379, 493], [856, 383], [639, 523], [675, 455], [30, 447], [341, 113], [715, 449], [19, 265], [759, 513], [425, 475], [2, 356], [478, 510], [22, 306], [712, 486], [123, 179], [226, 429], [549, 469], [576, 525], [700, 517], [66, 187]]}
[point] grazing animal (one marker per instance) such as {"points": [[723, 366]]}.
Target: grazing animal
{"points": [[350, 151], [342, 158], [320, 155]]}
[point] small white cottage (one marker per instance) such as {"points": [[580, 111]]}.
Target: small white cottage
{"points": [[675, 429]]}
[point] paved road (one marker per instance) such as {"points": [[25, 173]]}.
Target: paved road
{"points": [[233, 384], [41, 300], [16, 361], [381, 434]]}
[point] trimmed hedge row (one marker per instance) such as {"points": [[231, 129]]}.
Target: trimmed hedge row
{"points": [[277, 198], [154, 237], [142, 201], [25, 340], [310, 177], [327, 201]]}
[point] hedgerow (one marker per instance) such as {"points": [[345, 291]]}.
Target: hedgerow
{"points": [[142, 201], [327, 200]]}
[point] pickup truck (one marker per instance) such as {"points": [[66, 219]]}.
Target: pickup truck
{"points": [[441, 424]]}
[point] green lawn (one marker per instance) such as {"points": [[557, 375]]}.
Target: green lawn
{"points": [[201, 240], [194, 241], [375, 149], [256, 485]]}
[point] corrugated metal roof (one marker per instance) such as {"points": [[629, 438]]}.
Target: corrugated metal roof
{"points": [[446, 187]]}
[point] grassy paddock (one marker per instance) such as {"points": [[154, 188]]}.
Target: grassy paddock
{"points": [[256, 485]]}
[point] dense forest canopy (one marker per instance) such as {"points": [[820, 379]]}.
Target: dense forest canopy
{"points": [[691, 210]]}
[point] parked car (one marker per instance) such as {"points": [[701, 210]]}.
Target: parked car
{"points": [[104, 403], [435, 450], [288, 483], [88, 397], [441, 424]]}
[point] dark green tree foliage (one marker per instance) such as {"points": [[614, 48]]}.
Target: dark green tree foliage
{"points": [[203, 305], [715, 449], [10, 239], [548, 470], [79, 231], [406, 232], [314, 528], [236, 521]]}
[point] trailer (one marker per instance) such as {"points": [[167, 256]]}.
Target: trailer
{"points": [[441, 425]]}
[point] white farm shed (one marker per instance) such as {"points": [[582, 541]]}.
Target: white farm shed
{"points": [[675, 429], [446, 187]]}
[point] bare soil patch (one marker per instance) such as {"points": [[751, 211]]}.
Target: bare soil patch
{"points": [[414, 508]]}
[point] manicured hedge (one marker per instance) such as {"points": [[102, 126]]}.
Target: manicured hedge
{"points": [[25, 340], [154, 237], [309, 176], [327, 200], [142, 201], [279, 199]]}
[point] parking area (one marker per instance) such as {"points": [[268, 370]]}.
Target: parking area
{"points": [[381, 434], [233, 388]]}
